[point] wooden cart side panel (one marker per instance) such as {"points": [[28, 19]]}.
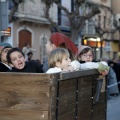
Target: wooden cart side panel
{"points": [[100, 108], [67, 99], [24, 96]]}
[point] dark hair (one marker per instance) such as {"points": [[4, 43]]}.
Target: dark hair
{"points": [[26, 44], [85, 50], [11, 51], [29, 53]]}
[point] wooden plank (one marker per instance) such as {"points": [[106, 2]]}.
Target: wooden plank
{"points": [[99, 109], [85, 113], [100, 117], [24, 100], [70, 116], [66, 109], [85, 82], [23, 115], [77, 74], [53, 97]]}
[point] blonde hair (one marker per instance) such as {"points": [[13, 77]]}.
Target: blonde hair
{"points": [[62, 45], [57, 55]]}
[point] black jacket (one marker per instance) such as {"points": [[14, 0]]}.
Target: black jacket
{"points": [[30, 67], [3, 68]]}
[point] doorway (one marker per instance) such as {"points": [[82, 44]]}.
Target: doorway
{"points": [[24, 37]]}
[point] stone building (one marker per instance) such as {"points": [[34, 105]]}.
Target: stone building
{"points": [[102, 21], [31, 27], [115, 5]]}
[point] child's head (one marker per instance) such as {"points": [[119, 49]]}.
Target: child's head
{"points": [[58, 40], [85, 53], [59, 58], [16, 58], [3, 53]]}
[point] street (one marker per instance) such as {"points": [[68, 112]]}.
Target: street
{"points": [[113, 108]]}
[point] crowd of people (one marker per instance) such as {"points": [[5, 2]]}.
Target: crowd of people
{"points": [[63, 56]]}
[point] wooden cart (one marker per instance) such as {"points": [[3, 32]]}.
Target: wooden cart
{"points": [[77, 95]]}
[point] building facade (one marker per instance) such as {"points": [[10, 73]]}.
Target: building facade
{"points": [[31, 26], [98, 28], [116, 36]]}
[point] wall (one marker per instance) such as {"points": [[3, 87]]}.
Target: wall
{"points": [[37, 31]]}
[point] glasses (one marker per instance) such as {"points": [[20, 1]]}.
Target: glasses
{"points": [[86, 55]]}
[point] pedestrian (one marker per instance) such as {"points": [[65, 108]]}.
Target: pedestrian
{"points": [[17, 60], [29, 56], [58, 40], [26, 49], [86, 55], [4, 48]]}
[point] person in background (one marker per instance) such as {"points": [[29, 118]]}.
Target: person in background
{"points": [[112, 81], [116, 67], [58, 40], [26, 49], [29, 56], [17, 60], [86, 55], [59, 61], [4, 48]]}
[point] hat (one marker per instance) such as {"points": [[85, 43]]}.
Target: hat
{"points": [[5, 45], [58, 38], [82, 47]]}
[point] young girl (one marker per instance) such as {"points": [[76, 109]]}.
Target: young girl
{"points": [[86, 55], [58, 40], [17, 60], [59, 61]]}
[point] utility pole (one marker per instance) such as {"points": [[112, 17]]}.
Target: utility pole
{"points": [[3, 15]]}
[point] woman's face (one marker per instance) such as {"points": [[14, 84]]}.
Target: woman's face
{"points": [[49, 47], [87, 57]]}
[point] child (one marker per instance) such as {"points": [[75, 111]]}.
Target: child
{"points": [[4, 48], [86, 55], [59, 61], [58, 40], [16, 58]]}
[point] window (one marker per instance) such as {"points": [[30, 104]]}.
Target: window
{"points": [[62, 17], [104, 21]]}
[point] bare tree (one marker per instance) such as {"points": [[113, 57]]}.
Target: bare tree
{"points": [[14, 9], [116, 23], [102, 31], [76, 19]]}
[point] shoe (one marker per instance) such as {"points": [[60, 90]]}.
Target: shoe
{"points": [[114, 94]]}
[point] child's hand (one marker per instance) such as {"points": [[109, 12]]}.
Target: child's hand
{"points": [[69, 69], [104, 73], [75, 65], [103, 69]]}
